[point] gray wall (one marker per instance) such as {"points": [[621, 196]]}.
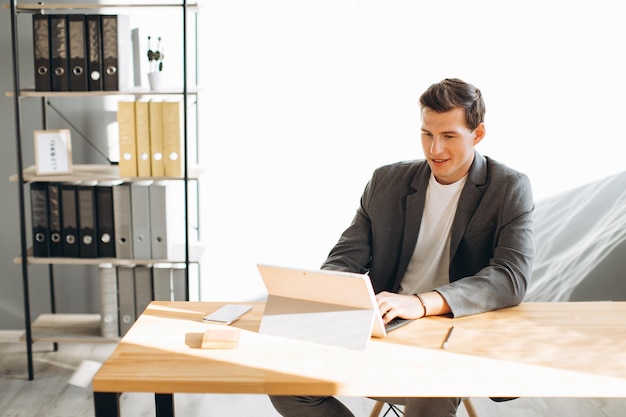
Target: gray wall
{"points": [[76, 286]]}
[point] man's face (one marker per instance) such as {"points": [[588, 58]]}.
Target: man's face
{"points": [[449, 144]]}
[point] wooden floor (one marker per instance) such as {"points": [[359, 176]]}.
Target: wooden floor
{"points": [[50, 395]]}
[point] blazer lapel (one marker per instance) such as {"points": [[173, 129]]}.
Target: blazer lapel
{"points": [[413, 218], [469, 200]]}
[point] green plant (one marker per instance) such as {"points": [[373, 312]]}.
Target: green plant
{"points": [[155, 57]]}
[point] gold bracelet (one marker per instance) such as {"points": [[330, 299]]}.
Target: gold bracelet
{"points": [[423, 304]]}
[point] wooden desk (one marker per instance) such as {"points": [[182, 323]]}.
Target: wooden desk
{"points": [[532, 350]]}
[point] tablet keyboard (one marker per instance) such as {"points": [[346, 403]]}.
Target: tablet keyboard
{"points": [[396, 324]]}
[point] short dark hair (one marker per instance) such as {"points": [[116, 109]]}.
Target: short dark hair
{"points": [[452, 93]]}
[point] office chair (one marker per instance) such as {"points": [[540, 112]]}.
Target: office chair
{"points": [[378, 407]]}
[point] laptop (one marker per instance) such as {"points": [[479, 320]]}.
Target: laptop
{"points": [[322, 306]]}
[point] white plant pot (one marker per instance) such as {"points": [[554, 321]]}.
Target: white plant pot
{"points": [[155, 78]]}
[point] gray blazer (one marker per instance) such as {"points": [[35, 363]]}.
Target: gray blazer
{"points": [[491, 247]]}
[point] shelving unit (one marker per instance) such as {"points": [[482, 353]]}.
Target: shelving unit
{"points": [[58, 328], [29, 92]]}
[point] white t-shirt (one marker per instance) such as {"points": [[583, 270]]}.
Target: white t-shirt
{"points": [[430, 263]]}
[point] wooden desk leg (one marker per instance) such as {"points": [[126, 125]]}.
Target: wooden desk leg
{"points": [[164, 405], [106, 404]]}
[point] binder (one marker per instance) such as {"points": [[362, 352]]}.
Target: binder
{"points": [[143, 288], [122, 221], [107, 280], [104, 224], [41, 47], [39, 216], [87, 221], [126, 298], [142, 137], [161, 281], [58, 53], [54, 219], [94, 53], [128, 150], [172, 138], [69, 221], [179, 284], [156, 138], [77, 47], [158, 220], [116, 52], [140, 220], [138, 50]]}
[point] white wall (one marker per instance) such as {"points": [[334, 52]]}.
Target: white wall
{"points": [[303, 99]]}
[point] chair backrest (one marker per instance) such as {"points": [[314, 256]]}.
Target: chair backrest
{"points": [[378, 407]]}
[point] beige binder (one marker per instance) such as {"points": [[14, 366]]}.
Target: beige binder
{"points": [[156, 138], [142, 128], [172, 138], [126, 125]]}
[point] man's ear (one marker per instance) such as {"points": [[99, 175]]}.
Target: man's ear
{"points": [[480, 133]]}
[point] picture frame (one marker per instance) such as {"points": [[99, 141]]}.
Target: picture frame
{"points": [[53, 152]]}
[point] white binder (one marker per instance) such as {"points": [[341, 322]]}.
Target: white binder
{"points": [[158, 221], [143, 288], [140, 219], [107, 279], [161, 279], [126, 298], [179, 284]]}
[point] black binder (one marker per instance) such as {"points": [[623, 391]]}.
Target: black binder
{"points": [[77, 48], [105, 226], [94, 53], [41, 46], [110, 61], [39, 215], [87, 221], [122, 221], [116, 51], [69, 221], [58, 53], [54, 218]]}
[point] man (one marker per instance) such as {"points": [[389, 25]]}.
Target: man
{"points": [[450, 234]]}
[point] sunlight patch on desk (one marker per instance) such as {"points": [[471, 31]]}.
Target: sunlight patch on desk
{"points": [[330, 324]]}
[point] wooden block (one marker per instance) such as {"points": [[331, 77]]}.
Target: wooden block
{"points": [[221, 338]]}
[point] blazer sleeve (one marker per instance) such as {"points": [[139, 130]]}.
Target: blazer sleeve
{"points": [[503, 278]]}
